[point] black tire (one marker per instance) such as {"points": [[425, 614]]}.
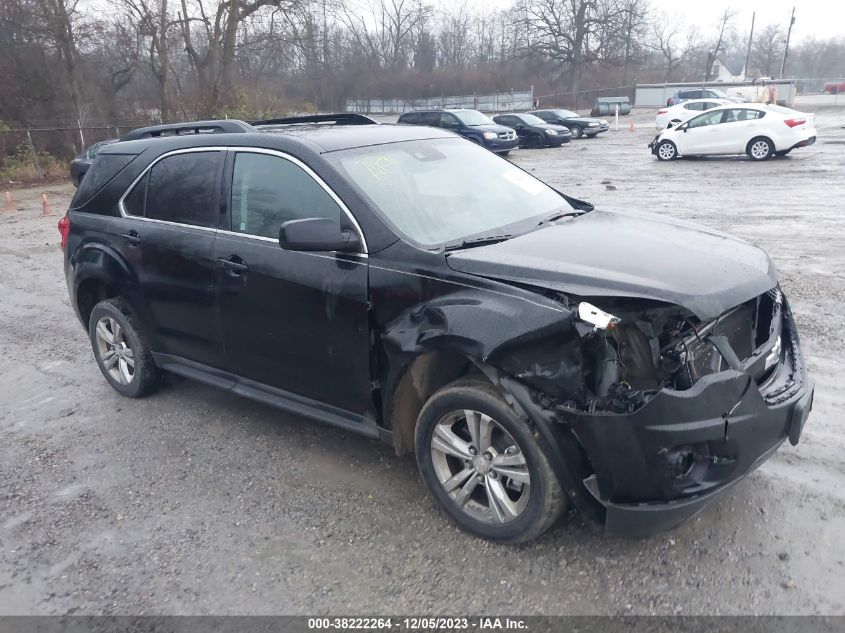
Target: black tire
{"points": [[666, 150], [576, 131], [754, 151], [545, 498], [535, 141], [504, 153], [144, 376]]}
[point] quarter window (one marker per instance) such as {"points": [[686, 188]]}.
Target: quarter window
{"points": [[181, 188], [268, 191]]}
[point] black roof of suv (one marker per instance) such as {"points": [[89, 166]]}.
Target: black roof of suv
{"points": [[408, 285]]}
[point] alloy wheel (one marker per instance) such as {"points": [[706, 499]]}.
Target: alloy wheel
{"points": [[760, 149], [480, 466], [666, 151], [114, 350]]}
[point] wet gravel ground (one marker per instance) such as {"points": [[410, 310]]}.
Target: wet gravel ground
{"points": [[194, 501]]}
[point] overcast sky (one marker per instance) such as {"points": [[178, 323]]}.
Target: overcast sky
{"points": [[822, 18]]}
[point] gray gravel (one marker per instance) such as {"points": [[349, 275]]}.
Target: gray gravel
{"points": [[194, 501]]}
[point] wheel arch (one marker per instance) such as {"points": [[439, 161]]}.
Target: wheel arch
{"points": [[100, 272], [761, 137]]}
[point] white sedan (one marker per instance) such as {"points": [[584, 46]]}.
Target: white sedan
{"points": [[756, 129], [680, 112]]}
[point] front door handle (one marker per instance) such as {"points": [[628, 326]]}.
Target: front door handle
{"points": [[234, 264], [132, 238]]}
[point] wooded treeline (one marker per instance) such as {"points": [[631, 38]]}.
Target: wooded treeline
{"points": [[106, 60]]}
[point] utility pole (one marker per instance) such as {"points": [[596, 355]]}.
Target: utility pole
{"points": [[786, 48], [750, 40]]}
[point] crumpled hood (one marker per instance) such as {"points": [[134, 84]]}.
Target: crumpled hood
{"points": [[630, 254]]}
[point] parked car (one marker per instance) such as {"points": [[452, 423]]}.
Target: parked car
{"points": [[577, 125], [403, 283], [471, 124], [700, 93], [759, 130], [533, 131], [681, 112], [79, 166], [834, 87]]}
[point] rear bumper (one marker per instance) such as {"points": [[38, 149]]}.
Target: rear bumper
{"points": [[806, 142]]}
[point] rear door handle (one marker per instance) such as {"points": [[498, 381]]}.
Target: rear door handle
{"points": [[131, 238], [234, 264]]}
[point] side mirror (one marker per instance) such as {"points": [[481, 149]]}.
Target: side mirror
{"points": [[669, 125], [317, 234]]}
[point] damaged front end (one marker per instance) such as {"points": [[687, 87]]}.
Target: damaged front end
{"points": [[669, 410]]}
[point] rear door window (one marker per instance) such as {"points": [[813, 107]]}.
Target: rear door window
{"points": [[409, 118], [268, 191], [182, 188], [430, 118]]}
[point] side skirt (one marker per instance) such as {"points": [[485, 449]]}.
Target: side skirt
{"points": [[273, 396]]}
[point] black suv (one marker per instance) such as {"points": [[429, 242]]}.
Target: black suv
{"points": [[533, 131], [471, 124], [406, 284]]}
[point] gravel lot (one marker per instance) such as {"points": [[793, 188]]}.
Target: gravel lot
{"points": [[194, 501]]}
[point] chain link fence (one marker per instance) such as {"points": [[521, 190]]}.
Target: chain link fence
{"points": [[42, 151]]}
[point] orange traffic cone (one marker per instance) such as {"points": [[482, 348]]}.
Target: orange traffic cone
{"points": [[632, 125], [46, 209]]}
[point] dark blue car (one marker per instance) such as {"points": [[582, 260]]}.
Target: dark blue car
{"points": [[470, 124]]}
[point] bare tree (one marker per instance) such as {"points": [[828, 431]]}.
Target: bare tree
{"points": [[767, 49], [674, 44], [725, 23]]}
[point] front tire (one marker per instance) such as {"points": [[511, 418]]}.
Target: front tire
{"points": [[121, 351], [483, 466], [760, 148], [666, 150], [576, 131], [535, 141]]}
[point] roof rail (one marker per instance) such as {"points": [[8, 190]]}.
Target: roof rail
{"points": [[342, 118], [195, 127]]}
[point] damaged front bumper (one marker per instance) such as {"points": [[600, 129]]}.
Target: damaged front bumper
{"points": [[659, 465]]}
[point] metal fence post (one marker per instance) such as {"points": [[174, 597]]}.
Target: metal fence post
{"points": [[81, 137], [35, 156]]}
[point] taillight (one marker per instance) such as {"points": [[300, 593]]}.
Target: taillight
{"points": [[663, 111], [794, 122], [64, 229]]}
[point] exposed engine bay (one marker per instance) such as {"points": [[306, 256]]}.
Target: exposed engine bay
{"points": [[621, 354]]}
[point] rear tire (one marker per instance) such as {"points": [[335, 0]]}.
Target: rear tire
{"points": [[483, 466], [666, 150], [122, 354], [760, 148]]}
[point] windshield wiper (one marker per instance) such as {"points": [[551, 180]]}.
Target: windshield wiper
{"points": [[560, 215], [477, 241]]}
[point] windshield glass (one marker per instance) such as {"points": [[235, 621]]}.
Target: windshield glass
{"points": [[473, 117], [717, 93], [530, 119], [438, 191], [566, 113]]}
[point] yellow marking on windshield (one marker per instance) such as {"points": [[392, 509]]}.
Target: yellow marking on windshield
{"points": [[380, 168]]}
